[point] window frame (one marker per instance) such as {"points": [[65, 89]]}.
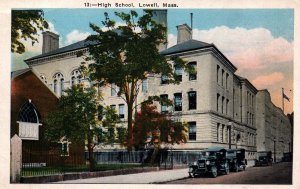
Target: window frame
{"points": [[189, 100], [180, 102], [192, 136]]}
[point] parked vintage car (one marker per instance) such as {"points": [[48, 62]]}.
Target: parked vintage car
{"points": [[236, 159], [287, 157], [264, 158], [213, 161]]}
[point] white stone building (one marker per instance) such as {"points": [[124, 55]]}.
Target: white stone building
{"points": [[218, 105]]}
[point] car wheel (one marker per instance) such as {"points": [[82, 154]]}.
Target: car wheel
{"points": [[214, 172]]}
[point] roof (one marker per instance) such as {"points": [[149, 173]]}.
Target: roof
{"points": [[186, 46], [17, 73], [72, 47]]}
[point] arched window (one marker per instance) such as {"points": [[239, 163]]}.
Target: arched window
{"points": [[43, 78], [28, 113], [58, 83], [75, 77]]}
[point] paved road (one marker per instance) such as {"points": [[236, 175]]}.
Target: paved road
{"points": [[280, 173], [277, 174], [140, 178]]}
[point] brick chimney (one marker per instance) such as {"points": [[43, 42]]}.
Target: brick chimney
{"points": [[50, 41], [184, 33]]}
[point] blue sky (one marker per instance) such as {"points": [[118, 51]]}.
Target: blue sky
{"points": [[279, 21], [259, 42]]}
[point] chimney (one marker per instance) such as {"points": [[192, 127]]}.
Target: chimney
{"points": [[184, 33], [50, 41], [160, 16]]}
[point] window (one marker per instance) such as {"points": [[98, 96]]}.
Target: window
{"points": [[223, 77], [114, 90], [58, 83], [193, 76], [121, 111], [75, 77], [178, 101], [222, 134], [145, 85], [64, 146], [164, 107], [227, 76], [227, 108], [218, 98], [218, 130], [164, 79], [55, 86], [192, 130], [192, 100], [113, 107], [223, 101], [62, 87], [43, 78], [28, 113], [178, 72], [218, 69], [100, 112]]}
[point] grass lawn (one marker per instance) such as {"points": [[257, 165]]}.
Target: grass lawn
{"points": [[43, 171]]}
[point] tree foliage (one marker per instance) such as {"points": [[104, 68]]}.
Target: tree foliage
{"points": [[127, 54], [155, 129], [25, 25], [76, 119]]}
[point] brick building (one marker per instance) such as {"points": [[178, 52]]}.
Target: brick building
{"points": [[31, 103]]}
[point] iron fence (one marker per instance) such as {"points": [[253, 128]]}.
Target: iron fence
{"points": [[49, 160]]}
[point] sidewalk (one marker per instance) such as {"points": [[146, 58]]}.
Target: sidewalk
{"points": [[140, 178]]}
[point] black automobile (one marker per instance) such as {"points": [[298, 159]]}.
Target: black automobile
{"points": [[213, 161], [264, 158], [236, 159]]}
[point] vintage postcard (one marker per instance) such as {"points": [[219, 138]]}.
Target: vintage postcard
{"points": [[156, 93]]}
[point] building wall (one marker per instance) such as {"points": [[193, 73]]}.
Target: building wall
{"points": [[28, 86], [273, 127]]}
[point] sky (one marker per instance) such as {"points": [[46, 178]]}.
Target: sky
{"points": [[259, 42]]}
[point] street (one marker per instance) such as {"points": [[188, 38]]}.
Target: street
{"points": [[280, 173]]}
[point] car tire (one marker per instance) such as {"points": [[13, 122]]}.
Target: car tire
{"points": [[214, 172]]}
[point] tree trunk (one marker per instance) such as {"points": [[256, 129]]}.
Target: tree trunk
{"points": [[91, 154], [129, 128]]}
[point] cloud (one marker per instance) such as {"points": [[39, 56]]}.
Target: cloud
{"points": [[264, 81], [246, 48], [75, 36]]}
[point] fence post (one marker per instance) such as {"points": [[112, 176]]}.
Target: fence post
{"points": [[16, 158]]}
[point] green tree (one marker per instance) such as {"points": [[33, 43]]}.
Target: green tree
{"points": [[126, 55], [25, 25], [154, 129], [76, 119]]}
